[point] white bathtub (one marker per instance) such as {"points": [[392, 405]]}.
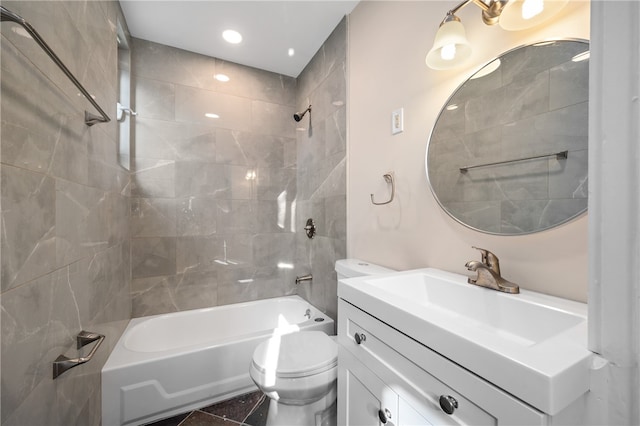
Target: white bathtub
{"points": [[167, 364]]}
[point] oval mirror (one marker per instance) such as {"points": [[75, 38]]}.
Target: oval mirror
{"points": [[508, 152]]}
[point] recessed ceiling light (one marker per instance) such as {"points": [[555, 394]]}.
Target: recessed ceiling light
{"points": [[211, 115], [232, 36], [291, 51], [222, 77]]}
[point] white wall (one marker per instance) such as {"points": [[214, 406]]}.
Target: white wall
{"points": [[388, 41], [614, 222]]}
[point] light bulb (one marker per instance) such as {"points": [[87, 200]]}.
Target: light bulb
{"points": [[531, 8], [448, 52]]}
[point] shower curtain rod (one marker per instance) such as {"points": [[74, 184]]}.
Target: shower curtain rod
{"points": [[89, 118]]}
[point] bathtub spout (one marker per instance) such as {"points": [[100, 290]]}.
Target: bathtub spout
{"points": [[303, 278]]}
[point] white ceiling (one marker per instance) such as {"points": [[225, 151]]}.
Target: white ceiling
{"points": [[269, 28]]}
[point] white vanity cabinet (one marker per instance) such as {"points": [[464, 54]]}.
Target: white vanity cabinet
{"points": [[385, 377]]}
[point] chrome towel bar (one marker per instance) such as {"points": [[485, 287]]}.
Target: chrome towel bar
{"points": [[63, 363], [89, 118], [562, 155]]}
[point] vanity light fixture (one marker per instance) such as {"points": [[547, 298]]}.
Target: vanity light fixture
{"points": [[451, 47]]}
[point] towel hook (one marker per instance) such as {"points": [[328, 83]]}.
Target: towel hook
{"points": [[388, 177]]}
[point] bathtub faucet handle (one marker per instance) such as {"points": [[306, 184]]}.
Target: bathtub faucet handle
{"points": [[303, 278], [308, 313]]}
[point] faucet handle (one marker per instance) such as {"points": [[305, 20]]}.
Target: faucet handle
{"points": [[489, 259]]}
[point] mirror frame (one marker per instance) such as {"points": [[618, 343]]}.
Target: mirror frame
{"points": [[447, 102]]}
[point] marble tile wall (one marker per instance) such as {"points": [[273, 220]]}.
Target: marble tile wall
{"points": [[321, 169], [213, 199], [64, 210]]}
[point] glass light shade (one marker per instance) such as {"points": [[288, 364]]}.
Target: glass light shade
{"points": [[521, 14], [451, 38]]}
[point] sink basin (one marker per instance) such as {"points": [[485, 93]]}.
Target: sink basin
{"points": [[499, 315], [532, 345]]}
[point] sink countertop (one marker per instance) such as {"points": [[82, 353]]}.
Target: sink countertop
{"points": [[532, 345]]}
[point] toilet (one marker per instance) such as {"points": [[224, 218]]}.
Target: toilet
{"points": [[298, 371]]}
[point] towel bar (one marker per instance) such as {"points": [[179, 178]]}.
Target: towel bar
{"points": [[89, 118], [63, 363]]}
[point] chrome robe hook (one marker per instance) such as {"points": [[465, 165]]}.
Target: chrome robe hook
{"points": [[388, 177]]}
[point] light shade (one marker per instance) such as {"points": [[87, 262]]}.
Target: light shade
{"points": [[521, 14], [450, 47]]}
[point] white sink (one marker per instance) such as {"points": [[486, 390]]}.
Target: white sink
{"points": [[532, 345]]}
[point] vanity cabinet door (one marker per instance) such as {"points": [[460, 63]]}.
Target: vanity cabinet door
{"points": [[364, 400], [409, 416]]}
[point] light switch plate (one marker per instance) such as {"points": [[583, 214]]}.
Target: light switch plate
{"points": [[397, 121]]}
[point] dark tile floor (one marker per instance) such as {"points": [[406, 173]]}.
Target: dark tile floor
{"points": [[247, 410]]}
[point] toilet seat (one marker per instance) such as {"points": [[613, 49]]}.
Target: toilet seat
{"points": [[296, 355]]}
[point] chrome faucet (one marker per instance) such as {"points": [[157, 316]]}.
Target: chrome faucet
{"points": [[307, 277], [488, 270]]}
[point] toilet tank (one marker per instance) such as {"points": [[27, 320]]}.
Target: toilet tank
{"points": [[347, 268]]}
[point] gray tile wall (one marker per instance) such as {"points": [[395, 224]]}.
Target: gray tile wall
{"points": [[321, 169], [64, 203], [212, 199]]}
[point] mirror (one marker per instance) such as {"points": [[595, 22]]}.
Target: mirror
{"points": [[508, 152]]}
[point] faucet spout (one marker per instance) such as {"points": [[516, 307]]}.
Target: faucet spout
{"points": [[489, 278], [307, 277]]}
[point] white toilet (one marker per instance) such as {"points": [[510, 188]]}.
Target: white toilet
{"points": [[298, 371]]}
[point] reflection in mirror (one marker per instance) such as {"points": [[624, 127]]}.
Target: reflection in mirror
{"points": [[492, 158], [124, 96]]}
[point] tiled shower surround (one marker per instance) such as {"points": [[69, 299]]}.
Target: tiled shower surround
{"points": [[212, 198], [210, 213], [218, 204], [65, 204], [321, 169]]}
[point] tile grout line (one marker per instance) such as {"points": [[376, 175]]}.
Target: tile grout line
{"points": [[255, 407]]}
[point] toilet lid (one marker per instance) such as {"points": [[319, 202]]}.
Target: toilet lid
{"points": [[297, 354]]}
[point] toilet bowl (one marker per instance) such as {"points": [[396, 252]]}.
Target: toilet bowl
{"points": [[298, 372]]}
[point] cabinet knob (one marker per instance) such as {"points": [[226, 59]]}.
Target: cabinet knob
{"points": [[448, 404], [384, 416], [359, 337]]}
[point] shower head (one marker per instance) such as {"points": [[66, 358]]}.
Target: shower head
{"points": [[298, 115]]}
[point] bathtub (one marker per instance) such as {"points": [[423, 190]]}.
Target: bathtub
{"points": [[167, 364]]}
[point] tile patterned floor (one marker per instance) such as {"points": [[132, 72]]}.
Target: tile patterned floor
{"points": [[246, 410]]}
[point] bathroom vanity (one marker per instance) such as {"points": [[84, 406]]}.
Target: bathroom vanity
{"points": [[424, 347]]}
